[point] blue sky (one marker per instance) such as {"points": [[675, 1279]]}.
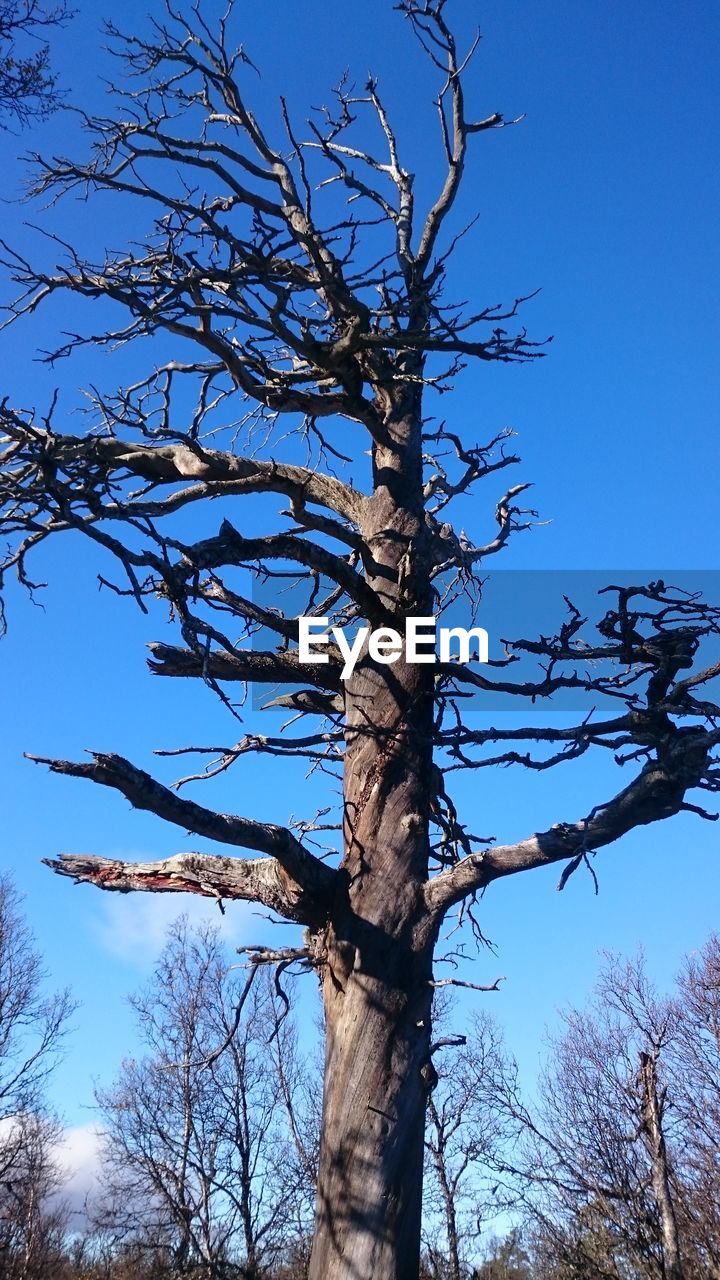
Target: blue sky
{"points": [[606, 197]]}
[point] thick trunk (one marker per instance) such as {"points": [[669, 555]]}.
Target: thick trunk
{"points": [[377, 994], [377, 947], [376, 1083]]}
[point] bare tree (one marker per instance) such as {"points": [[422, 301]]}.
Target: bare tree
{"points": [[196, 1149], [28, 85], [466, 1136], [298, 1076], [621, 1156], [599, 1167], [294, 279], [32, 1026], [93, 1256], [588, 1250], [32, 1022], [508, 1259], [694, 1071], [33, 1217]]}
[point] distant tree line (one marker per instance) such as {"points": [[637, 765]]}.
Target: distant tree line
{"points": [[611, 1171]]}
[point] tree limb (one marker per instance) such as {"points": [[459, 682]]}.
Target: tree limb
{"points": [[312, 876], [173, 463], [261, 880], [258, 667], [657, 792]]}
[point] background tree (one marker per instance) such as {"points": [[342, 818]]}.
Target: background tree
{"points": [[93, 1256], [295, 278], [605, 1147], [28, 85], [198, 1155], [508, 1259], [32, 1026], [694, 1083], [466, 1137]]}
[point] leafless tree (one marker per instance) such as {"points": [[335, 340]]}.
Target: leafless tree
{"points": [[32, 1026], [587, 1251], [32, 1022], [694, 1071], [28, 85], [466, 1134], [292, 277], [508, 1259], [197, 1154], [599, 1165], [33, 1217], [93, 1256]]}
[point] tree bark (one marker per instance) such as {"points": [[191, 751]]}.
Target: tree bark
{"points": [[377, 1076], [377, 968]]}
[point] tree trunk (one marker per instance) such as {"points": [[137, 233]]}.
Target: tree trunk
{"points": [[653, 1120], [377, 1075], [377, 949], [377, 997]]}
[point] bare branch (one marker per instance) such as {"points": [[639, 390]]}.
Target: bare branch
{"points": [[472, 986], [657, 792], [144, 792], [253, 666], [262, 880]]}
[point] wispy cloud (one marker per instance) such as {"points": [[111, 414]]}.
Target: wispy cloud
{"points": [[133, 927]]}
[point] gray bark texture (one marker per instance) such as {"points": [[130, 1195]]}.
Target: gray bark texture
{"points": [[377, 975]]}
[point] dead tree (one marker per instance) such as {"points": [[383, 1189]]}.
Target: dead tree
{"points": [[653, 1108], [197, 1153], [291, 274]]}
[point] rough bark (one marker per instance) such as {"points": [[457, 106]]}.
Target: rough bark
{"points": [[260, 880], [377, 1074], [378, 968]]}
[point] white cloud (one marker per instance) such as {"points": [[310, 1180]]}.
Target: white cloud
{"points": [[78, 1154], [133, 927]]}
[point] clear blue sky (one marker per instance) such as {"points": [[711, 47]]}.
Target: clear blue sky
{"points": [[607, 197]]}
